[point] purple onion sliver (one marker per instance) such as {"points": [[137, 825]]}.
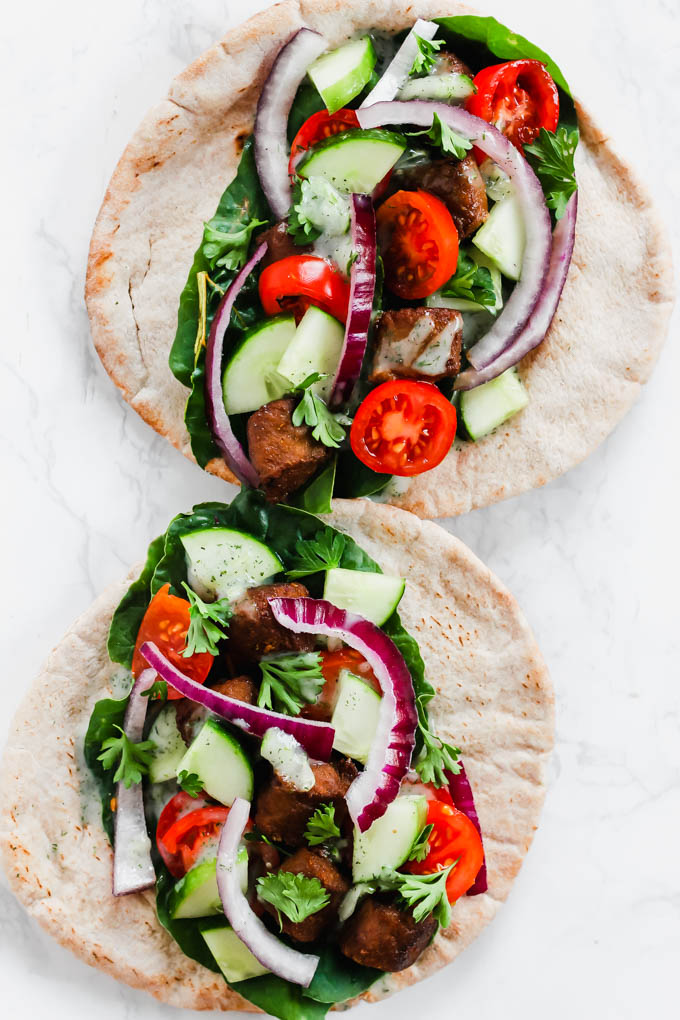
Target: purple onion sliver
{"points": [[461, 794]]}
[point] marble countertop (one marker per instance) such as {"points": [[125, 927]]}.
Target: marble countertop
{"points": [[592, 927]]}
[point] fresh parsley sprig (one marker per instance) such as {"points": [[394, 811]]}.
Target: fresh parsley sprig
{"points": [[300, 227], [327, 428], [445, 138], [190, 783], [322, 827], [323, 552], [426, 56], [296, 896], [471, 283], [436, 757], [157, 692], [421, 844], [225, 247], [552, 157], [288, 681], [132, 759], [425, 894], [207, 623]]}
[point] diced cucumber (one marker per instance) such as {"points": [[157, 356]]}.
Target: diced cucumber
{"points": [[222, 563], [373, 596], [196, 894], [341, 74], [169, 748], [497, 183], [502, 237], [354, 161], [388, 842], [232, 956], [355, 716], [447, 88], [487, 406], [251, 378], [316, 347], [220, 763]]}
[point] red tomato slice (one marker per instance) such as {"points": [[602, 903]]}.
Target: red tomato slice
{"points": [[177, 807], [403, 428], [180, 844], [518, 97], [298, 281], [319, 126], [166, 622], [418, 242], [453, 838]]}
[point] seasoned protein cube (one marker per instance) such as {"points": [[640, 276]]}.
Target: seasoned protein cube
{"points": [[282, 811], [284, 455], [253, 631], [417, 343], [381, 934], [458, 183], [313, 865]]}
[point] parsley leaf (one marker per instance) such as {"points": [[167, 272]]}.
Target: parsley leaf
{"points": [[300, 227], [445, 138], [207, 620], [133, 759], [290, 680], [225, 247], [471, 282], [426, 57], [435, 758], [421, 845], [322, 827], [190, 783], [327, 428], [323, 552], [157, 692], [296, 896], [425, 893], [552, 157]]}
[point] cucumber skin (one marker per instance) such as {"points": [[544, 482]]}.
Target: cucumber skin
{"points": [[379, 847], [215, 756], [233, 958], [377, 608], [309, 166], [343, 90], [512, 397], [240, 362], [203, 569]]}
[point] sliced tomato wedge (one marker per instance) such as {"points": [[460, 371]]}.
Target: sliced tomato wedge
{"points": [[166, 623], [183, 831], [318, 127], [179, 806], [518, 97], [454, 839], [403, 427], [418, 242], [298, 281]]}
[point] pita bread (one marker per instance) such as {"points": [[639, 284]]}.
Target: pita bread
{"points": [[601, 348], [494, 699]]}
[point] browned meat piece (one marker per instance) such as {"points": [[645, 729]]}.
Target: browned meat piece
{"points": [[280, 244], [449, 63], [189, 715], [282, 811], [262, 858], [284, 455], [458, 183], [241, 688], [417, 343], [253, 631], [311, 865], [380, 934]]}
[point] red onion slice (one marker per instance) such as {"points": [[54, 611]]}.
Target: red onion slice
{"points": [[521, 302], [394, 741], [461, 794], [362, 289], [544, 310], [315, 737], [400, 66], [132, 867], [220, 426], [280, 959], [271, 119]]}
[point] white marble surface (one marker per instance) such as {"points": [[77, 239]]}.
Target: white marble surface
{"points": [[592, 928]]}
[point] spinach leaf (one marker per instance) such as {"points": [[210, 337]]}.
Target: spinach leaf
{"points": [[128, 616], [315, 497], [107, 715], [338, 978], [354, 479], [186, 933], [280, 998]]}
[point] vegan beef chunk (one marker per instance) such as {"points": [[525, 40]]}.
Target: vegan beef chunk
{"points": [[282, 811], [417, 343], [284, 455], [449, 63], [280, 244], [311, 865], [241, 688], [380, 934], [458, 183], [253, 631]]}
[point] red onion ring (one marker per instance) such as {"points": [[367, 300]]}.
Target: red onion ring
{"points": [[461, 795]]}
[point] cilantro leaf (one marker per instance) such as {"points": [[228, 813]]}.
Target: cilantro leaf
{"points": [[296, 896], [157, 692], [421, 844], [225, 244], [471, 282], [426, 894], [327, 428], [435, 758], [290, 681], [300, 227], [323, 552], [133, 759], [190, 783], [552, 157], [207, 623], [322, 827], [426, 56], [445, 138]]}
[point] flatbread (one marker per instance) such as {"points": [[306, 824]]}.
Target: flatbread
{"points": [[601, 348], [494, 699]]}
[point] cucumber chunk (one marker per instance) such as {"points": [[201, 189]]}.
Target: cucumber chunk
{"points": [[373, 596], [354, 161], [447, 88], [502, 237], [169, 748], [487, 406], [232, 956], [316, 347], [251, 378], [388, 842], [222, 563], [196, 895], [355, 716], [220, 762], [341, 74]]}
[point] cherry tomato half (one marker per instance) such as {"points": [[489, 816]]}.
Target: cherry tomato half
{"points": [[298, 281], [166, 623], [319, 126], [454, 838], [518, 97], [403, 428], [179, 806], [419, 243]]}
